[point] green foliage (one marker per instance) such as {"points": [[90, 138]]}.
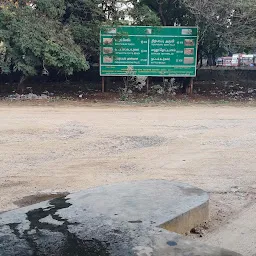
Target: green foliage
{"points": [[232, 22], [170, 12], [35, 40], [84, 17], [63, 34], [53, 9], [173, 12], [5, 61], [143, 16]]}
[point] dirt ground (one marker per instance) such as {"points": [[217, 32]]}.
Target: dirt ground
{"points": [[57, 149]]}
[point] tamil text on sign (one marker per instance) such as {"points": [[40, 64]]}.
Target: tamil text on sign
{"points": [[148, 51]]}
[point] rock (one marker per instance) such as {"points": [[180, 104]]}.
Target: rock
{"points": [[31, 96], [44, 97], [15, 96], [22, 97], [195, 231]]}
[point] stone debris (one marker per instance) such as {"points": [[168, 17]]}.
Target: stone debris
{"points": [[29, 96]]}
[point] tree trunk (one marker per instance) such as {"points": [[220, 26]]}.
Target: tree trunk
{"points": [[201, 60], [214, 59], [164, 85], [190, 86], [185, 83], [161, 14], [21, 87], [200, 55], [126, 82], [210, 60]]}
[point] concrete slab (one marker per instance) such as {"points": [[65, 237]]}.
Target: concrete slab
{"points": [[123, 219]]}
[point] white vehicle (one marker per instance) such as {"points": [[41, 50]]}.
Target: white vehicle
{"points": [[243, 60], [236, 60], [247, 60]]}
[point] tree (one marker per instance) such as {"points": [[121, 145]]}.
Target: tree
{"points": [[170, 12], [84, 17], [142, 15], [116, 10], [34, 40], [233, 21]]}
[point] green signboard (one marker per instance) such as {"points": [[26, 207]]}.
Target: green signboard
{"points": [[148, 51]]}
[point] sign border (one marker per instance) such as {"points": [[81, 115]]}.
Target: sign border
{"points": [[170, 27]]}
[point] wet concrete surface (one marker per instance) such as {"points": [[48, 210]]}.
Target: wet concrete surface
{"points": [[38, 232], [121, 219]]}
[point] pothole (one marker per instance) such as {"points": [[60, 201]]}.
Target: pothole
{"points": [[34, 199]]}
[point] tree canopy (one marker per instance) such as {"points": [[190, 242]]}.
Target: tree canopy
{"points": [[39, 35], [225, 26], [34, 39]]}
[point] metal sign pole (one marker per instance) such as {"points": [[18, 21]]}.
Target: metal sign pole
{"points": [[147, 84], [103, 84]]}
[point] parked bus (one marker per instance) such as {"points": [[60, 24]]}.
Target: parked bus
{"points": [[224, 62], [237, 60], [243, 60], [247, 60]]}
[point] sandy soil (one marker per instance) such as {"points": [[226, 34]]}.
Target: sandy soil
{"points": [[55, 149]]}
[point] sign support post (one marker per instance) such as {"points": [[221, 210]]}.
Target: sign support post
{"points": [[148, 51], [147, 84], [103, 84]]}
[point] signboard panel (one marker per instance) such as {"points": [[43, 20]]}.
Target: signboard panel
{"points": [[148, 51]]}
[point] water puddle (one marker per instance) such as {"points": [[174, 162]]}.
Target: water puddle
{"points": [[34, 199]]}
